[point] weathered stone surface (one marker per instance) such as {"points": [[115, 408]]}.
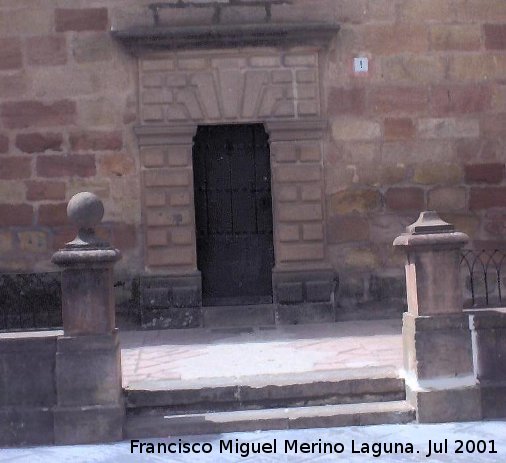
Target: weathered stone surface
{"points": [[355, 129], [86, 19], [346, 101], [486, 198], [447, 199], [10, 54], [4, 143], [399, 129], [485, 173], [92, 48], [39, 142], [494, 222], [409, 69], [96, 378], [460, 99], [343, 229], [437, 351], [18, 115], [14, 168], [395, 99], [96, 141], [432, 173], [450, 405], [116, 165], [82, 165], [45, 190], [52, 214], [361, 258], [455, 37], [33, 241], [495, 36], [16, 215], [448, 128], [383, 39], [405, 199], [354, 200], [88, 425], [289, 293], [46, 50]]}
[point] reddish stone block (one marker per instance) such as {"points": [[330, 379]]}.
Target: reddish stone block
{"points": [[4, 144], [96, 141], [22, 114], [14, 168], [495, 223], [11, 56], [82, 165], [86, 19], [462, 37], [462, 99], [63, 235], [471, 150], [46, 50], [495, 36], [36, 191], [492, 125], [15, 215], [52, 214], [393, 99], [346, 101], [118, 164], [13, 85], [486, 198], [399, 129], [347, 228], [123, 236], [383, 39], [405, 199], [485, 173], [39, 142]]}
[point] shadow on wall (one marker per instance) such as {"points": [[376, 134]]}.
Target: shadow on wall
{"points": [[32, 301]]}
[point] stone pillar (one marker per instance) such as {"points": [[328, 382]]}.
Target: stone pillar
{"points": [[88, 364], [438, 359], [489, 346]]}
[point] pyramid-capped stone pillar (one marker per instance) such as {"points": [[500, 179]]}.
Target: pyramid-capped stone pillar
{"points": [[438, 360]]}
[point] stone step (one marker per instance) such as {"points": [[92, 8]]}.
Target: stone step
{"points": [[264, 391], [238, 316], [324, 416]]}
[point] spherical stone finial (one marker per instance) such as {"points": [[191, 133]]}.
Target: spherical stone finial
{"points": [[85, 209]]}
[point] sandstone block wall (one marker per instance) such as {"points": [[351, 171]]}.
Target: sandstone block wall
{"points": [[424, 128]]}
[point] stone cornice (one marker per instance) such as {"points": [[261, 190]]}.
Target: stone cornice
{"points": [[141, 39]]}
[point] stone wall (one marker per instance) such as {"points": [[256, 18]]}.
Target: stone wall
{"points": [[424, 128]]}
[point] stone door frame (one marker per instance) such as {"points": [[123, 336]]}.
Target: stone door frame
{"points": [[278, 86]]}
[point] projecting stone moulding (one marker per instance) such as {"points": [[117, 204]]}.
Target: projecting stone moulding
{"points": [[140, 39]]}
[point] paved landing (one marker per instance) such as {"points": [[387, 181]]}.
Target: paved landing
{"points": [[150, 359]]}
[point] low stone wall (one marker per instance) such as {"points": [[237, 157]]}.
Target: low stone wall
{"points": [[489, 347], [27, 387]]}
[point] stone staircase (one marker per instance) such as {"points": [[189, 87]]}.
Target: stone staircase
{"points": [[306, 400]]}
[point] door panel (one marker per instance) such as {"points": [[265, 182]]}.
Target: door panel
{"points": [[233, 214]]}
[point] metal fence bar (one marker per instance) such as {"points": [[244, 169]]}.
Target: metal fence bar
{"points": [[483, 271]]}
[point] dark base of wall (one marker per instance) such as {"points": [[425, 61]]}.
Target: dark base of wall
{"points": [[32, 301], [493, 399]]}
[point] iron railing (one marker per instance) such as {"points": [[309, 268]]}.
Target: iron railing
{"points": [[484, 274]]}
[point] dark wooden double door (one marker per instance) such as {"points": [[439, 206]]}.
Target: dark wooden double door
{"points": [[233, 208]]}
